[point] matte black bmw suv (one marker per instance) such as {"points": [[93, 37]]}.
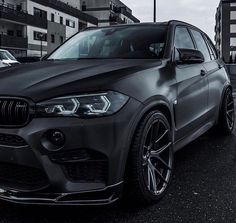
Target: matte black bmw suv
{"points": [[104, 113]]}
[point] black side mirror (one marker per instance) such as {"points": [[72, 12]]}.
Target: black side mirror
{"points": [[189, 56]]}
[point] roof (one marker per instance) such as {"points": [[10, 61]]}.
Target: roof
{"points": [[167, 23]]}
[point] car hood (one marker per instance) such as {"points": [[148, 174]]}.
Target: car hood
{"points": [[48, 79]]}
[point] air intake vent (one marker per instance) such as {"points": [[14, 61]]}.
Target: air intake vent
{"points": [[13, 112]]}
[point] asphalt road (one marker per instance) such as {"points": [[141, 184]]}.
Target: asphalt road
{"points": [[203, 190]]}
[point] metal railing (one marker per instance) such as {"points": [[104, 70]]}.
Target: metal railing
{"points": [[21, 17], [13, 41]]}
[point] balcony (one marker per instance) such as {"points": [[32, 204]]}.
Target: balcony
{"points": [[21, 17], [13, 42]]}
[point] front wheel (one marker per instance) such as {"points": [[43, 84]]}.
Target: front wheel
{"points": [[227, 114], [150, 163]]}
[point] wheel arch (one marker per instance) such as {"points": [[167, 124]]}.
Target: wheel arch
{"points": [[162, 106], [227, 86]]}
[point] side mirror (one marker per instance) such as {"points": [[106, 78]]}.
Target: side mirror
{"points": [[189, 56]]}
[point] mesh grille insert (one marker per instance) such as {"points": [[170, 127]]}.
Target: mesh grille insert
{"points": [[13, 176], [11, 140], [13, 112]]}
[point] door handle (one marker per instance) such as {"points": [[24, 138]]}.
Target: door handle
{"points": [[203, 73]]}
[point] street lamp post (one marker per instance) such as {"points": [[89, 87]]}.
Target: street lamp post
{"points": [[155, 11], [41, 45]]}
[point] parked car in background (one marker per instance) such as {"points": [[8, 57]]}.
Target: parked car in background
{"points": [[104, 113], [28, 59], [3, 64], [7, 58]]}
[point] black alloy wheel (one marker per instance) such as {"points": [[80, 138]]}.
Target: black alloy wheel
{"points": [[227, 114], [151, 160]]}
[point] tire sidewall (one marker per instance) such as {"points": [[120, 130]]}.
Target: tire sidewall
{"points": [[149, 120], [223, 116]]}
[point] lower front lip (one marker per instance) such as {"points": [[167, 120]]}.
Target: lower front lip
{"points": [[105, 196]]}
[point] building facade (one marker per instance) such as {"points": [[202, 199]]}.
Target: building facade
{"points": [[36, 27], [109, 12], [225, 30]]}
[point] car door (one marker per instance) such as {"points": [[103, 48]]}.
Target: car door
{"points": [[216, 77], [192, 89]]}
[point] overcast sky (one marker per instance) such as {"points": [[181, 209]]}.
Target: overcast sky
{"points": [[200, 13]]}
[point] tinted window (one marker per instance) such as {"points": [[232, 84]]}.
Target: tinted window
{"points": [[212, 49], [183, 38], [201, 44], [115, 42]]}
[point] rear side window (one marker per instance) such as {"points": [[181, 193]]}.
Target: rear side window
{"points": [[201, 44], [183, 39], [212, 49]]}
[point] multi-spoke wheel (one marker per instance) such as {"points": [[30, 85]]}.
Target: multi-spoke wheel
{"points": [[227, 114], [151, 159]]}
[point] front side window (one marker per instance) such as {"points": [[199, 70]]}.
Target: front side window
{"points": [[201, 44], [183, 39], [115, 42]]}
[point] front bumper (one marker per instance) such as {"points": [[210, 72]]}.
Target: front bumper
{"points": [[87, 170]]}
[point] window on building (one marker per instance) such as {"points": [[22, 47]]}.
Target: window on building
{"points": [[201, 44], [52, 17], [111, 5], [61, 39], [183, 38], [40, 13], [84, 7], [233, 41], [10, 32], [19, 33], [233, 4], [233, 28], [19, 7], [233, 15], [232, 58], [40, 36], [52, 38], [61, 20], [70, 23]]}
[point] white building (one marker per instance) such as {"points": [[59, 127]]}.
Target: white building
{"points": [[36, 27]]}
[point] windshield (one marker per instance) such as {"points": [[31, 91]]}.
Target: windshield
{"points": [[5, 55], [115, 42]]}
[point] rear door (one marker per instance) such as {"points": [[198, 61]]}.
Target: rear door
{"points": [[214, 73], [216, 77], [191, 103]]}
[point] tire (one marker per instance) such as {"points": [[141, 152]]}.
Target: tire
{"points": [[226, 119], [150, 165]]}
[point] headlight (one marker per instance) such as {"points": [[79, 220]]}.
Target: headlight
{"points": [[84, 106]]}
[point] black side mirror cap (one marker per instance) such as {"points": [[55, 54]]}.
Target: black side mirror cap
{"points": [[190, 56]]}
